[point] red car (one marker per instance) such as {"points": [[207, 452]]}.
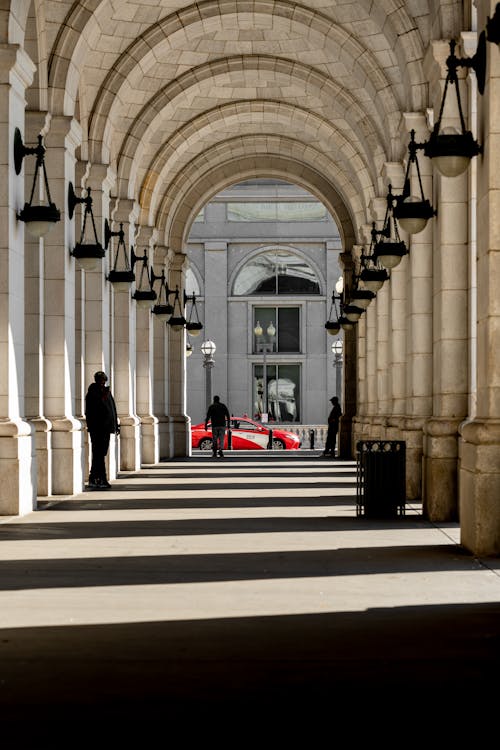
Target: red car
{"points": [[246, 435]]}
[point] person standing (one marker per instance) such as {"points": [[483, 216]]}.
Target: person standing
{"points": [[102, 421], [218, 415], [333, 427]]}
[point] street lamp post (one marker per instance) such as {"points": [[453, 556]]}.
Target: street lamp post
{"points": [[264, 344], [337, 349], [208, 350]]}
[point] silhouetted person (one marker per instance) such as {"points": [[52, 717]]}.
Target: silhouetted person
{"points": [[333, 427], [218, 415], [102, 421]]}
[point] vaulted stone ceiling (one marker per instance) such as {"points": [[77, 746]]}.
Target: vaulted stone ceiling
{"points": [[182, 99]]}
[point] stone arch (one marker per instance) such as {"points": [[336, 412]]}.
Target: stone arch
{"points": [[176, 225]]}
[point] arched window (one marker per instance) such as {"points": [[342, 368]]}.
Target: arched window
{"points": [[276, 272]]}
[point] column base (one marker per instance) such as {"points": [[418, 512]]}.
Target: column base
{"points": [[180, 436], [17, 468], [413, 435], [130, 443], [150, 448], [43, 448], [479, 497], [440, 486], [163, 438], [67, 455]]}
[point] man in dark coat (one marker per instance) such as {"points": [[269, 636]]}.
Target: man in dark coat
{"points": [[102, 421], [218, 415], [333, 427]]}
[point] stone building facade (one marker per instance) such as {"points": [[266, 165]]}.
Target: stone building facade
{"points": [[264, 251]]}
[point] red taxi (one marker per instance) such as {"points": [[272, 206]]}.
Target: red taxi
{"points": [[246, 435]]}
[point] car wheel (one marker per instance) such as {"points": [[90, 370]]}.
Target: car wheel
{"points": [[278, 445], [205, 444]]}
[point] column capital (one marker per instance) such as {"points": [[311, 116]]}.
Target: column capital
{"points": [[16, 66], [393, 174], [377, 207], [100, 177]]}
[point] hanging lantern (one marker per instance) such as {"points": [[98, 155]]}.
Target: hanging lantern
{"points": [[163, 309], [87, 254], [39, 218], [193, 326], [412, 212], [144, 296]]}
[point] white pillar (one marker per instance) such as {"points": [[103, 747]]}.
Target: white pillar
{"points": [[124, 347], [17, 465], [450, 330], [419, 322], [160, 368], [36, 122], [59, 320], [144, 360], [100, 178], [179, 422], [480, 450]]}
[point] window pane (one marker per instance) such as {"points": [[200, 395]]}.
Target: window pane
{"points": [[288, 329], [276, 211], [258, 389], [284, 394], [307, 211], [276, 272], [264, 316]]}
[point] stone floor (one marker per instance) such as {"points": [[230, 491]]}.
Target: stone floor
{"points": [[203, 589]]}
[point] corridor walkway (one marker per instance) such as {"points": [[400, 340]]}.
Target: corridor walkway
{"points": [[243, 584]]}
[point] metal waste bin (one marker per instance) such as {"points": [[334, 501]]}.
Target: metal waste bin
{"points": [[381, 478]]}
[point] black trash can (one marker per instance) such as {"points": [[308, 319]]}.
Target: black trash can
{"points": [[381, 478]]}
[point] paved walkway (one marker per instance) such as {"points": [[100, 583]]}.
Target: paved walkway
{"points": [[248, 583]]}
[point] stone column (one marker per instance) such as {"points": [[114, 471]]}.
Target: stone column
{"points": [[216, 312], [150, 453], [346, 447], [123, 310], [59, 305], [450, 329], [359, 421], [381, 342], [36, 122], [480, 450], [179, 422], [100, 178], [394, 176], [17, 464], [160, 369], [419, 322]]}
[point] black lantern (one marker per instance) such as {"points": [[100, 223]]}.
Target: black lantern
{"points": [[362, 297], [452, 150], [163, 309], [122, 274], [177, 321], [390, 248], [193, 325], [332, 325], [39, 219], [412, 212], [144, 296], [87, 254], [372, 274]]}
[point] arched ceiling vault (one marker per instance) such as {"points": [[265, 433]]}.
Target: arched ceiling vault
{"points": [[181, 97]]}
